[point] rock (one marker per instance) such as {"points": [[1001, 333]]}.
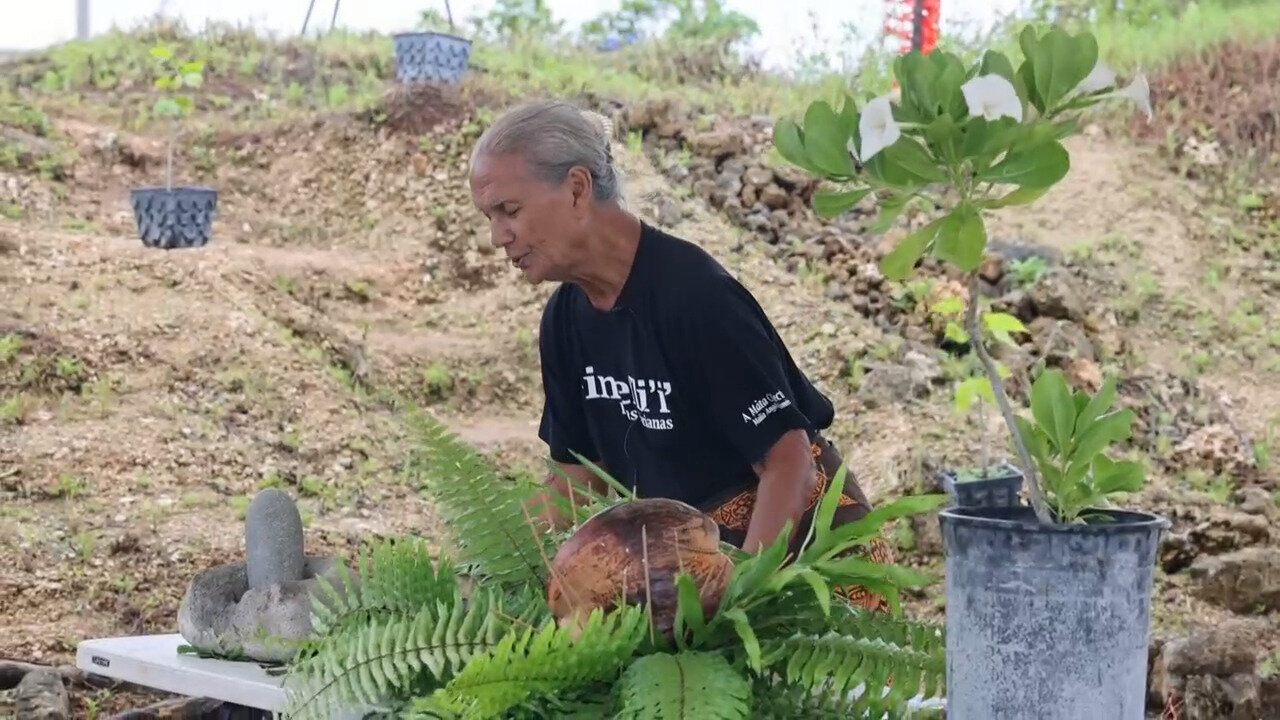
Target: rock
{"points": [[1055, 297], [1256, 501], [41, 695], [273, 540], [774, 197], [1218, 530], [1084, 373], [1235, 697], [1213, 672], [718, 143], [1214, 448], [1225, 649], [1245, 581], [1060, 341], [757, 176], [992, 269], [836, 291]]}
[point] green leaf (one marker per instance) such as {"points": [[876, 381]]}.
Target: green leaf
{"points": [[183, 102], [790, 145], [956, 333], [195, 67], [1062, 61], [166, 106], [898, 263], [1053, 409], [689, 685], [962, 240], [1101, 433], [820, 589], [1019, 196], [850, 534], [825, 142], [748, 636], [1111, 477], [950, 305], [1037, 167], [1002, 324], [162, 52], [1034, 439], [193, 80], [830, 203], [972, 389], [1098, 404], [690, 605], [995, 63], [913, 160]]}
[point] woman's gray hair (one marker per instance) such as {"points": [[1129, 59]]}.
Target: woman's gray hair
{"points": [[554, 136]]}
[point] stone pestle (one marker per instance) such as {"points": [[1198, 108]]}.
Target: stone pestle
{"points": [[273, 540]]}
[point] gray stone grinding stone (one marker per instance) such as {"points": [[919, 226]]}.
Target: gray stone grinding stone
{"points": [[273, 539], [222, 614]]}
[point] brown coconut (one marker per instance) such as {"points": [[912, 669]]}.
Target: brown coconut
{"points": [[604, 561]]}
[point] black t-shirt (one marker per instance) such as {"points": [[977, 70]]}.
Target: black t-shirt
{"points": [[679, 388]]}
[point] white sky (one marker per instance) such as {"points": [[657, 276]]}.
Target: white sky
{"points": [[27, 24]]}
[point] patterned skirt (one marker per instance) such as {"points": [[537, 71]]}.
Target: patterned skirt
{"points": [[735, 513]]}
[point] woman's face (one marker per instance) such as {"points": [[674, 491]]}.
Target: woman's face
{"points": [[539, 226]]}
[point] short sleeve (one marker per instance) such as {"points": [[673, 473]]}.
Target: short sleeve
{"points": [[563, 427], [740, 368]]}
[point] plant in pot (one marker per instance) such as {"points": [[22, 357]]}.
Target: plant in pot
{"points": [[639, 612], [170, 216], [1048, 606], [990, 483], [430, 54]]}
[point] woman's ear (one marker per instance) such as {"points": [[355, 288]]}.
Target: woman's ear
{"points": [[579, 186]]}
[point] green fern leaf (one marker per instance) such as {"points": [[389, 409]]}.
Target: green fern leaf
{"points": [[689, 685], [539, 662], [484, 511], [858, 668], [393, 656], [394, 575]]}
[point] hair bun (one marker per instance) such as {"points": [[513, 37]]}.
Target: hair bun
{"points": [[602, 123]]}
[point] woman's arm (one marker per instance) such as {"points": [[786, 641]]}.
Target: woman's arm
{"points": [[543, 505], [787, 476]]}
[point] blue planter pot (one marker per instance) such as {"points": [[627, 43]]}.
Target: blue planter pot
{"points": [[431, 57], [180, 217], [1048, 622], [998, 488]]}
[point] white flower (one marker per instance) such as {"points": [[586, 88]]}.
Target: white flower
{"points": [[877, 127], [1100, 78], [992, 97], [1139, 92]]}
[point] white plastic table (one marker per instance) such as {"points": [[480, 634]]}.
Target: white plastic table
{"points": [[154, 661]]}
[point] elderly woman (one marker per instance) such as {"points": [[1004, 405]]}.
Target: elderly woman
{"points": [[657, 364]]}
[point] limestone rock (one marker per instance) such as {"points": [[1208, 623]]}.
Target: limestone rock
{"points": [[1246, 581], [41, 695]]}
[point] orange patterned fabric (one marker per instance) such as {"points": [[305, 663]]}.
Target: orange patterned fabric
{"points": [[735, 513]]}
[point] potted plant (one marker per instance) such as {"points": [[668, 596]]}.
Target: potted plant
{"points": [[430, 54], [1048, 606], [170, 216]]}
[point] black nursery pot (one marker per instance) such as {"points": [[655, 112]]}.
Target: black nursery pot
{"points": [[431, 57], [999, 489], [177, 217], [1048, 621]]}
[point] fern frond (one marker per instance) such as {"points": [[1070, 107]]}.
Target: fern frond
{"points": [[860, 669], [392, 656], [689, 685], [540, 662], [393, 575], [484, 510]]}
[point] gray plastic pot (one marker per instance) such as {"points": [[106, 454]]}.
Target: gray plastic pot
{"points": [[431, 56], [1047, 622], [1000, 489], [180, 217]]}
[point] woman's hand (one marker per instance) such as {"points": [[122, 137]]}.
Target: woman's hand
{"points": [[787, 476], [542, 507]]}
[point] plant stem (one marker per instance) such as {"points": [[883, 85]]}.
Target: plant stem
{"points": [[997, 388], [168, 167]]}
